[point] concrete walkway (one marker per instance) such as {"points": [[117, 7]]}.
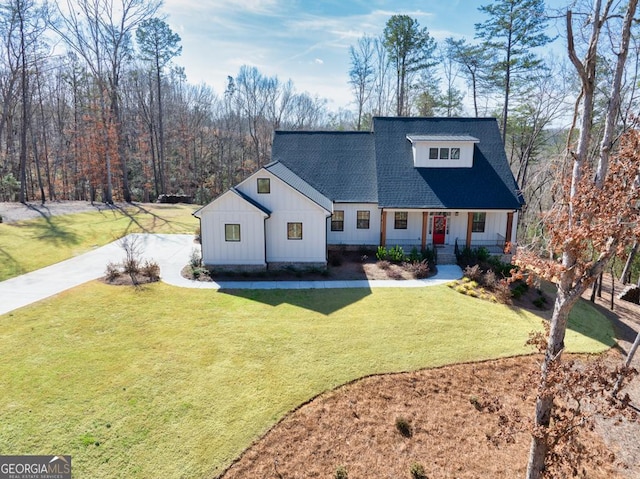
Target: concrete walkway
{"points": [[172, 253]]}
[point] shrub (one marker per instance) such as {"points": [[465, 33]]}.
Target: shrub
{"points": [[474, 273], [384, 264], [403, 427], [112, 272], [195, 259], [539, 303], [502, 292], [396, 254], [419, 269], [381, 253], [490, 280], [341, 473], [414, 256], [151, 270], [417, 471], [429, 255], [482, 253], [519, 289]]}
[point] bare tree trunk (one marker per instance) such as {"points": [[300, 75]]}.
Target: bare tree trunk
{"points": [[627, 363], [613, 108], [613, 288], [24, 124], [625, 276], [565, 299]]}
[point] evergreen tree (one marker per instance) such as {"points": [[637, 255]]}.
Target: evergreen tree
{"points": [[410, 50], [512, 29]]}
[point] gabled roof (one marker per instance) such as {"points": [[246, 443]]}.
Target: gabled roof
{"points": [[251, 201], [289, 177], [489, 184], [340, 165], [232, 191]]}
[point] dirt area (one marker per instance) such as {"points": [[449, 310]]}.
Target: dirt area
{"points": [[453, 433], [355, 427]]}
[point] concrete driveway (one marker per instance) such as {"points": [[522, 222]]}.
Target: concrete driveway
{"points": [[172, 253]]}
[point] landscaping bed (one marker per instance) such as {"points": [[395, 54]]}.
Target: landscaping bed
{"points": [[352, 266]]}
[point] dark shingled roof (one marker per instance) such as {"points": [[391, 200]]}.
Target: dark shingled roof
{"points": [[488, 185], [377, 167], [340, 165]]}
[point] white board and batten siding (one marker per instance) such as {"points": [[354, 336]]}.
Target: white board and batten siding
{"points": [[230, 208], [412, 235], [289, 206], [351, 234], [495, 228]]}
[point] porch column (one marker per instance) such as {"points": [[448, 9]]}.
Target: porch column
{"points": [[469, 226], [425, 221], [507, 235], [383, 228]]}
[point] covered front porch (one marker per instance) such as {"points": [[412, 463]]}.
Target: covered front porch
{"points": [[444, 229]]}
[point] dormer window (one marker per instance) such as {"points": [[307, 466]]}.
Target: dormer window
{"points": [[442, 151]]}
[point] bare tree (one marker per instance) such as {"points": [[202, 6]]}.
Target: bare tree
{"points": [[583, 233], [100, 32], [158, 45], [361, 75]]}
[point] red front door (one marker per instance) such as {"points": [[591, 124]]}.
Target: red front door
{"points": [[439, 229]]}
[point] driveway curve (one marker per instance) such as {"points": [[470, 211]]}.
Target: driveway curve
{"points": [[172, 253]]}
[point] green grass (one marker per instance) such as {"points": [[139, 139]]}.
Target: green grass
{"points": [[28, 245], [169, 382]]}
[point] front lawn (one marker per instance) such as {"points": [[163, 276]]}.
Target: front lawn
{"points": [[170, 382], [29, 245]]}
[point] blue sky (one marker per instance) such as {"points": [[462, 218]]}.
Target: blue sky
{"points": [[305, 41]]}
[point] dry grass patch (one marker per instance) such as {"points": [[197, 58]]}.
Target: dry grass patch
{"points": [[454, 431]]}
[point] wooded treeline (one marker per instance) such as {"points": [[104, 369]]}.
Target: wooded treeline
{"points": [[93, 104], [94, 108]]}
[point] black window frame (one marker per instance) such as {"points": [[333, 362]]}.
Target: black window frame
{"points": [[361, 222], [337, 224], [260, 189], [478, 222], [227, 236], [433, 153], [457, 150], [400, 220], [289, 225]]}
